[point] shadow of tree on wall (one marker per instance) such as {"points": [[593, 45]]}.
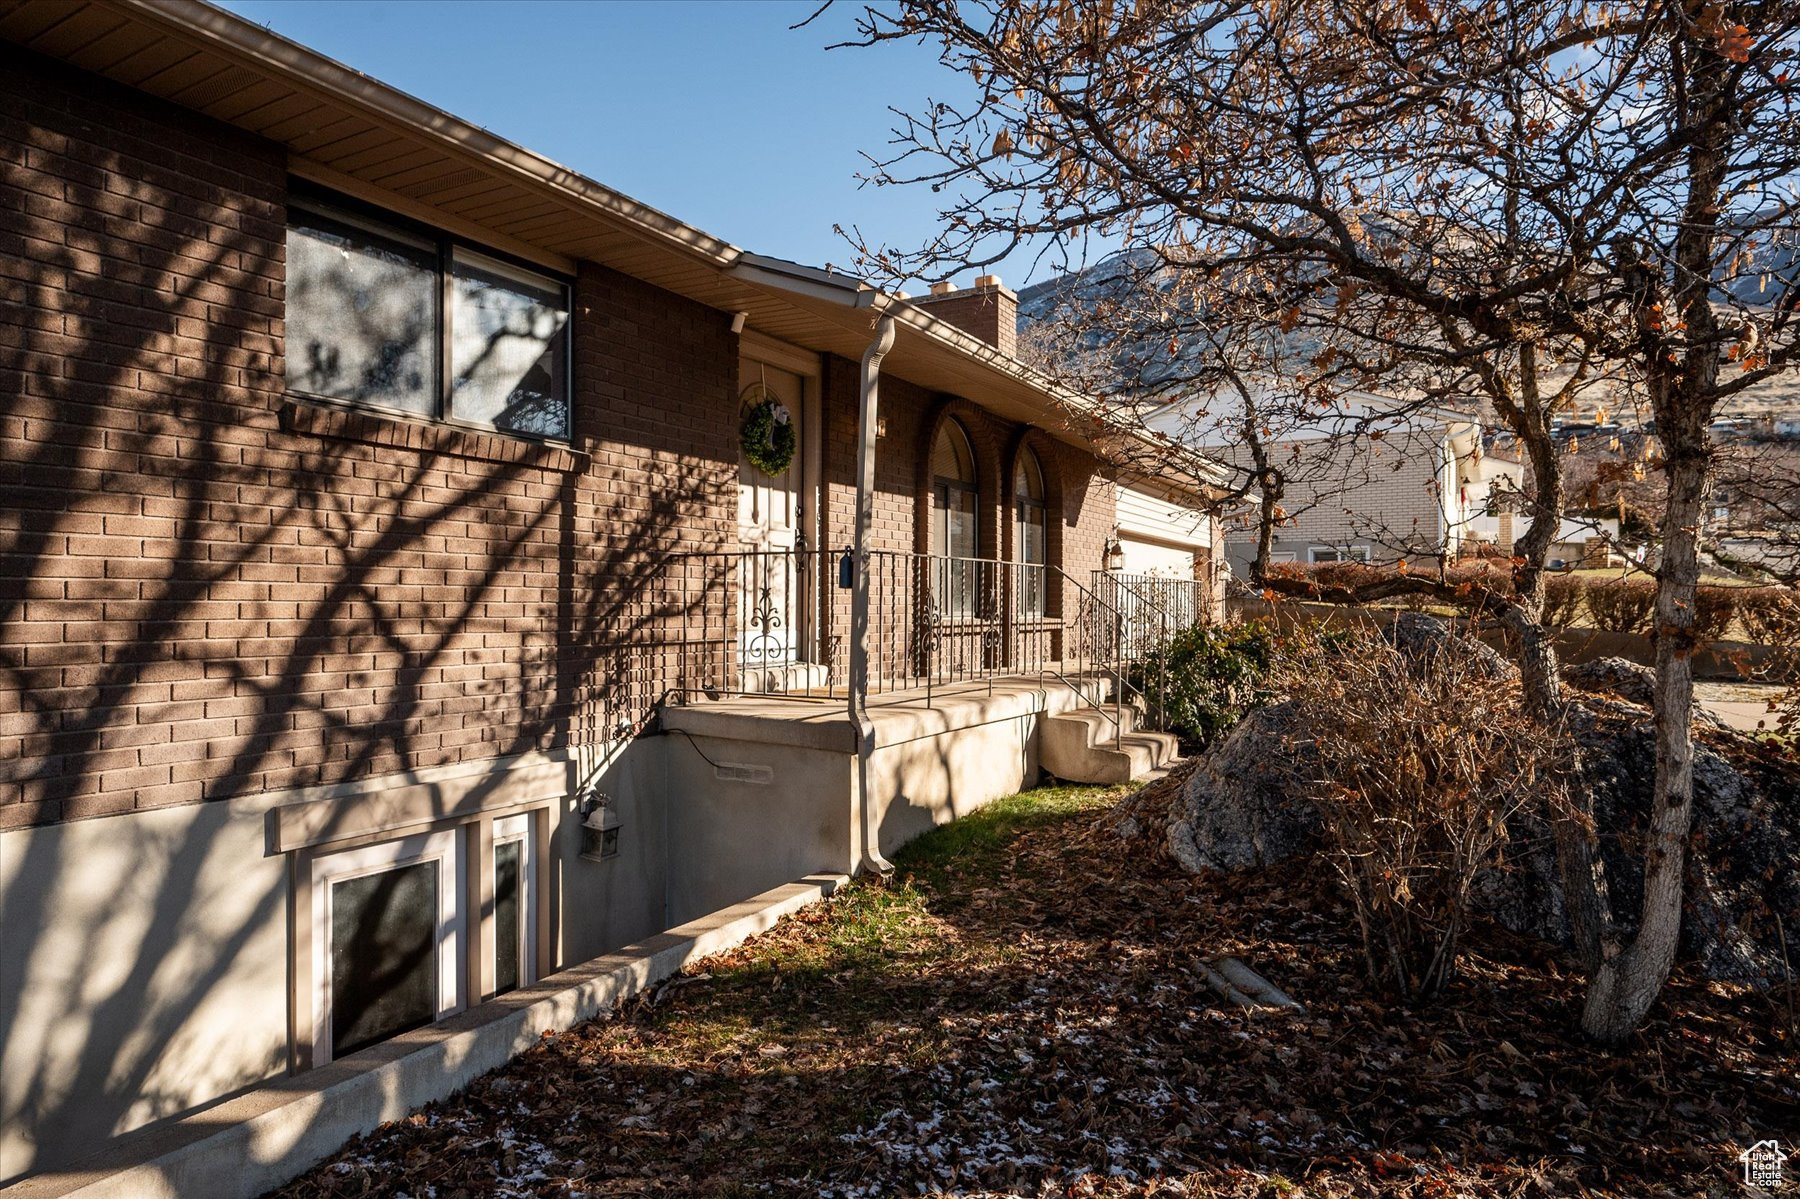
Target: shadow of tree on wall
{"points": [[138, 398]]}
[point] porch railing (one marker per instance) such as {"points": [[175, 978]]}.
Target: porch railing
{"points": [[1153, 609], [777, 623]]}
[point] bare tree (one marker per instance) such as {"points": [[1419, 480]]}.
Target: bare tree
{"points": [[1502, 199]]}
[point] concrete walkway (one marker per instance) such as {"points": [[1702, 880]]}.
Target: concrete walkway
{"points": [[1743, 706]]}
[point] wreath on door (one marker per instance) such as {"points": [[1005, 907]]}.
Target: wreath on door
{"points": [[767, 431]]}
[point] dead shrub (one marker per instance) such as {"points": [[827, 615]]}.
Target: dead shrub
{"points": [[1484, 574], [1347, 574], [1423, 760], [1714, 610], [1564, 596], [1771, 615], [1622, 605]]}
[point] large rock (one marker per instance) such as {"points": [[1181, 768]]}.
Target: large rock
{"points": [[1614, 676], [1624, 679], [1243, 805], [1420, 638]]}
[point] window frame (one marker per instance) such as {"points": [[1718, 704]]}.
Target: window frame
{"points": [[1034, 596], [443, 245], [507, 830], [1339, 553], [956, 577], [443, 846]]}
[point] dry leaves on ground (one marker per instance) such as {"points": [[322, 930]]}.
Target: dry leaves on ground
{"points": [[1022, 1013]]}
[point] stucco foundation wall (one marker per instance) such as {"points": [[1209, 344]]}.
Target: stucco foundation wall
{"points": [[144, 971], [922, 783], [731, 838], [799, 806]]}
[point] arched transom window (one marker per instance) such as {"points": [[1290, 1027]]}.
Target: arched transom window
{"points": [[1031, 533], [955, 530]]}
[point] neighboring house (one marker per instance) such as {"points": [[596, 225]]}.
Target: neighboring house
{"points": [[1407, 491], [1499, 515], [374, 496]]}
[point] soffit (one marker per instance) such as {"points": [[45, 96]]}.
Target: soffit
{"points": [[344, 123], [347, 129]]}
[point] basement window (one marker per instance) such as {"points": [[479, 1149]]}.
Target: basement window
{"points": [[407, 931], [515, 905], [388, 936], [385, 314]]}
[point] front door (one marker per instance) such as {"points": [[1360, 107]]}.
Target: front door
{"points": [[772, 583]]}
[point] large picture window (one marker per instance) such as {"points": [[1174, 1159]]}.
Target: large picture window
{"points": [[387, 316]]}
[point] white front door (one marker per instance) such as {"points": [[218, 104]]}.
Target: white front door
{"points": [[772, 586]]}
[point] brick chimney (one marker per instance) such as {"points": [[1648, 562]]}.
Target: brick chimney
{"points": [[987, 311]]}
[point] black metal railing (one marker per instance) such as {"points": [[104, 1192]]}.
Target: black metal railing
{"points": [[1153, 610], [777, 623]]}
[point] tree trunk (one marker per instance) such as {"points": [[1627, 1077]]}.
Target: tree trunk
{"points": [[1628, 982]]}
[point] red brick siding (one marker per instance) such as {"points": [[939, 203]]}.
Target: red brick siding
{"points": [[198, 602], [1082, 512], [989, 313]]}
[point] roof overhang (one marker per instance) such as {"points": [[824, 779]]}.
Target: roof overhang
{"points": [[346, 129]]}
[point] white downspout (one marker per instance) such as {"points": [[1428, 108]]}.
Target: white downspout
{"points": [[861, 728]]}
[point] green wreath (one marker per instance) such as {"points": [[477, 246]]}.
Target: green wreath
{"points": [[767, 436]]}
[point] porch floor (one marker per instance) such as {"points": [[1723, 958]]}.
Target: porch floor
{"points": [[820, 721]]}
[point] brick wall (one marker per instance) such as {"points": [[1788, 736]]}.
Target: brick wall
{"points": [[1080, 501], [1381, 494], [208, 591]]}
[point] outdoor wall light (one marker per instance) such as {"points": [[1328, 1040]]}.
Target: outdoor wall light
{"points": [[1115, 555], [847, 569], [600, 830]]}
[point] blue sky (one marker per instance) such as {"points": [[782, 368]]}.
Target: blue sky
{"points": [[715, 112]]}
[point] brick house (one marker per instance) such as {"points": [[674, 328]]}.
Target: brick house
{"points": [[373, 502], [1412, 490]]}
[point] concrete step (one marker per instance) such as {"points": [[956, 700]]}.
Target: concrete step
{"points": [[1148, 751], [1085, 746]]}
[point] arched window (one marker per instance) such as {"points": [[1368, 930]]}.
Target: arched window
{"points": [[1031, 534], [955, 530]]}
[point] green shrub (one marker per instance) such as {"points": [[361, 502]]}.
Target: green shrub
{"points": [[1622, 605], [1205, 679]]}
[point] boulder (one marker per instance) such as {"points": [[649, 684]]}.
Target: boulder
{"points": [[1624, 679], [1419, 638], [1614, 676], [1243, 805], [1240, 806]]}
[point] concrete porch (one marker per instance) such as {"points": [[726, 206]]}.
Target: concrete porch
{"points": [[767, 788]]}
